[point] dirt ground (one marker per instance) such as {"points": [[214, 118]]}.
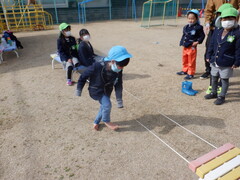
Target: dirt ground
{"points": [[46, 131]]}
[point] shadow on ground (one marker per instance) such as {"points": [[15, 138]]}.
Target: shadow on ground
{"points": [[165, 125]]}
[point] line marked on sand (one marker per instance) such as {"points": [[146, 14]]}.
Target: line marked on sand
{"points": [[175, 123]]}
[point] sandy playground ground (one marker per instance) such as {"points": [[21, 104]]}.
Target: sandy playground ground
{"points": [[46, 131]]}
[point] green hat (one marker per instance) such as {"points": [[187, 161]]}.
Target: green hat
{"points": [[63, 26], [224, 6], [229, 12]]}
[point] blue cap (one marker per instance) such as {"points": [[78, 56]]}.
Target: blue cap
{"points": [[117, 53], [195, 11]]}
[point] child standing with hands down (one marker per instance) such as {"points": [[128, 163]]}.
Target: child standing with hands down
{"points": [[193, 35], [67, 49], [224, 53], [103, 76]]}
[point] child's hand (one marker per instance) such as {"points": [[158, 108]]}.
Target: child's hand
{"points": [[195, 44], [69, 60], [234, 66], [207, 60]]}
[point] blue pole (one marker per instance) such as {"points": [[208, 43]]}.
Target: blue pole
{"points": [[110, 10], [134, 12], [126, 15], [56, 14], [79, 13]]}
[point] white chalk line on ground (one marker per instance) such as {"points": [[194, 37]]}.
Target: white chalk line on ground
{"points": [[176, 124]]}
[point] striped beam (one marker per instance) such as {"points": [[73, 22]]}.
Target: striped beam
{"points": [[234, 174], [205, 168], [209, 156], [223, 169]]}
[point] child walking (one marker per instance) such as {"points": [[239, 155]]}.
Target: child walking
{"points": [[66, 45], [193, 35], [103, 76], [224, 53]]}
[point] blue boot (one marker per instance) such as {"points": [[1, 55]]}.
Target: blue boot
{"points": [[187, 88]]}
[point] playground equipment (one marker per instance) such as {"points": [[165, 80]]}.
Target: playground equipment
{"points": [[189, 7], [19, 17], [82, 6], [155, 12], [222, 163]]}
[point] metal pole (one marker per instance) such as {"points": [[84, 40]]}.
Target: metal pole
{"points": [[55, 7], [110, 10]]}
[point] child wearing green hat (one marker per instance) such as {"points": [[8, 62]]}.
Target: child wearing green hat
{"points": [[66, 45], [103, 76], [224, 53]]}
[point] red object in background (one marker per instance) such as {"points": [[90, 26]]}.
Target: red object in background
{"points": [[201, 13], [179, 12]]}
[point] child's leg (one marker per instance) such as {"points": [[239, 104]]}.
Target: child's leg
{"points": [[185, 60], [225, 85], [99, 115], [192, 61], [214, 84], [106, 107], [69, 69]]}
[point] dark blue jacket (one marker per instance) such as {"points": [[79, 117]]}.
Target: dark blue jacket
{"points": [[67, 49], [101, 80], [192, 34], [225, 52], [85, 53]]}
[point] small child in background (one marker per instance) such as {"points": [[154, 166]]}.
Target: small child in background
{"points": [[193, 35], [224, 53], [67, 49]]}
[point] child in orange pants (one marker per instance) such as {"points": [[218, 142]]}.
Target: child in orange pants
{"points": [[193, 35]]}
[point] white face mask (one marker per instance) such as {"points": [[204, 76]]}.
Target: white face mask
{"points": [[228, 24], [67, 33], [86, 38]]}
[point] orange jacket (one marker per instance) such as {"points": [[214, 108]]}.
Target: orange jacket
{"points": [[213, 5]]}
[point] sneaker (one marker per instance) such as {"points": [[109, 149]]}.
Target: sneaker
{"points": [[120, 104], [69, 82], [211, 96], [181, 73], [209, 90], [205, 75], [220, 100], [189, 77]]}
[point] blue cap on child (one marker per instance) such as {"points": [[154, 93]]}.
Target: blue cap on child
{"points": [[117, 53]]}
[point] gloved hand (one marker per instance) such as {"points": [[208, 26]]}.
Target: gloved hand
{"points": [[78, 92]]}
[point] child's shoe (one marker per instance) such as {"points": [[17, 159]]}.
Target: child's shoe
{"points": [[211, 96], [69, 82], [189, 77], [181, 73], [209, 90], [220, 100]]}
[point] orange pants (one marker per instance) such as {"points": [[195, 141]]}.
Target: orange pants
{"points": [[189, 60]]}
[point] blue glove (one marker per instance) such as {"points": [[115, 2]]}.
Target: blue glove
{"points": [[78, 92]]}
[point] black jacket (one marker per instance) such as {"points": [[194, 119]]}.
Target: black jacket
{"points": [[67, 49], [225, 52], [85, 53], [101, 80], [192, 34]]}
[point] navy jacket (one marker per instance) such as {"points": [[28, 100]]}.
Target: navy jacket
{"points": [[67, 49], [225, 52], [101, 80], [85, 53], [192, 34]]}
